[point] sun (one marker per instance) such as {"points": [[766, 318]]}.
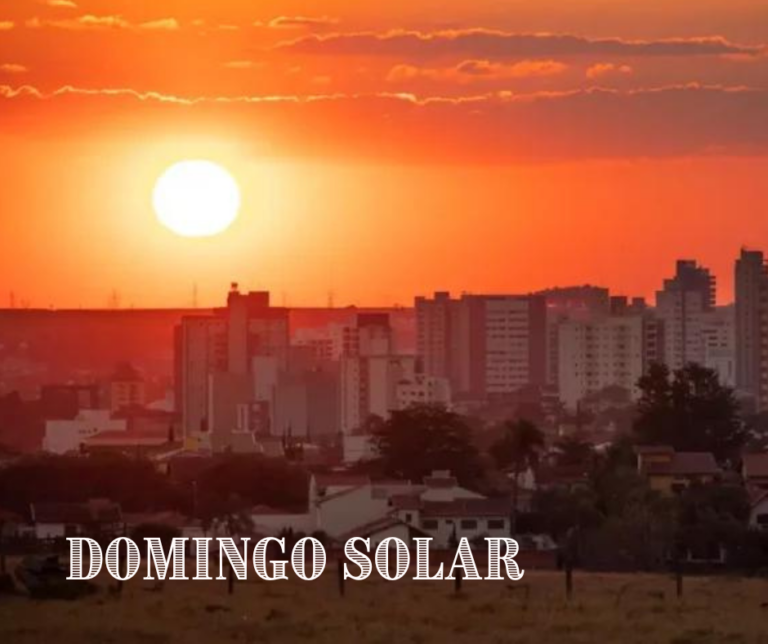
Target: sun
{"points": [[196, 198]]}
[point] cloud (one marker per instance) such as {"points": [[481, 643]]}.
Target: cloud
{"points": [[6, 25], [490, 44], [243, 64], [608, 69], [501, 127], [470, 71], [109, 22], [13, 68], [167, 24], [301, 22], [61, 4]]}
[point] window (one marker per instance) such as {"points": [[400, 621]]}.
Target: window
{"points": [[429, 524], [495, 524], [408, 517], [468, 524]]}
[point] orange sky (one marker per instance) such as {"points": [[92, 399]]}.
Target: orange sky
{"points": [[383, 150]]}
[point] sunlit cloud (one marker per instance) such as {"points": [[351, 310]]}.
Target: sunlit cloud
{"points": [[491, 44], [301, 22], [13, 68], [608, 69], [109, 22], [61, 4], [243, 64], [470, 71], [498, 127]]}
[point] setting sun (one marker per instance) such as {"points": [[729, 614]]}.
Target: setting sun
{"points": [[196, 199]]}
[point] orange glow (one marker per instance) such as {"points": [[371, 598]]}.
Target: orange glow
{"points": [[381, 151]]}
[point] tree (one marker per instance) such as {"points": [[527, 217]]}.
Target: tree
{"points": [[414, 442], [574, 450], [689, 410], [518, 449]]}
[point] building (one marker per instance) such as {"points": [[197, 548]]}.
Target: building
{"points": [[754, 470], [718, 338], [485, 345], [60, 520], [681, 306], [65, 436], [750, 326], [595, 355], [227, 365], [375, 380], [670, 472], [449, 521], [423, 389], [126, 388]]}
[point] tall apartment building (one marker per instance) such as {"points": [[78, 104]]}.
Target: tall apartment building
{"points": [[681, 305], [226, 365], [485, 345], [751, 326], [600, 353], [718, 335]]}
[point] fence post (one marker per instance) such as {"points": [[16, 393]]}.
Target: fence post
{"points": [[231, 581], [340, 576], [568, 578], [458, 580]]}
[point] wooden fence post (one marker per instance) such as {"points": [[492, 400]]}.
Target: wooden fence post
{"points": [[340, 575]]}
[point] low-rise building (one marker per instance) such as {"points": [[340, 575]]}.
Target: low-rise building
{"points": [[63, 436], [669, 471], [754, 470], [60, 520], [448, 521]]}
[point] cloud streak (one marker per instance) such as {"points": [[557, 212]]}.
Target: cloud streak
{"points": [[89, 22], [470, 71], [491, 128], [492, 44]]}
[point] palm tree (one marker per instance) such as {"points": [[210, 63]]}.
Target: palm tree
{"points": [[517, 449]]}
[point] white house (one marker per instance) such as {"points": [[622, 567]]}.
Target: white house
{"points": [[445, 521], [63, 436], [343, 506]]}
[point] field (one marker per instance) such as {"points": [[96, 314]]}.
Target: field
{"points": [[604, 608]]}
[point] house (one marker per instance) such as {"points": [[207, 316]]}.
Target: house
{"points": [[754, 470], [669, 471], [449, 521], [758, 515], [60, 520], [343, 505]]}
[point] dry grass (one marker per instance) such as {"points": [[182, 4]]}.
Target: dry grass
{"points": [[605, 608]]}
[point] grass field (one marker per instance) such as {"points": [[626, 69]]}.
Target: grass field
{"points": [[604, 608]]}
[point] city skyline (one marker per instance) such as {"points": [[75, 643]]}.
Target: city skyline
{"points": [[493, 146]]}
